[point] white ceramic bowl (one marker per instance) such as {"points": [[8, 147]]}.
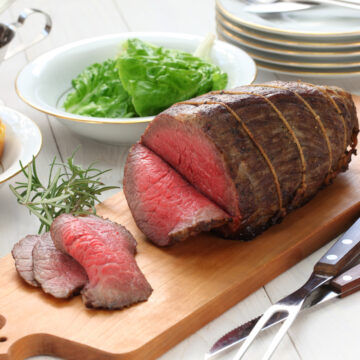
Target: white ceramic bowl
{"points": [[23, 140], [44, 82]]}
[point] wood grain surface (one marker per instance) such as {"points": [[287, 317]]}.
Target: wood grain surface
{"points": [[330, 332], [194, 282]]}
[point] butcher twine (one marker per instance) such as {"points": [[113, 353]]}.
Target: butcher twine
{"points": [[353, 141], [314, 114], [282, 211], [302, 187]]}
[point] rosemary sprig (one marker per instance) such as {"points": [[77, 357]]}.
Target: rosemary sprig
{"points": [[70, 189]]}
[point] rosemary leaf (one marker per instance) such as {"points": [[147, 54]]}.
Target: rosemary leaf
{"points": [[50, 201], [52, 184], [70, 189], [28, 190]]}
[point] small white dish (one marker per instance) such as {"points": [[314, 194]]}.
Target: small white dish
{"points": [[43, 82], [23, 141]]}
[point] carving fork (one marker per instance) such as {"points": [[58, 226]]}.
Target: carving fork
{"points": [[341, 254]]}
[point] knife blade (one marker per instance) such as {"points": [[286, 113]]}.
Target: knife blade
{"points": [[345, 284], [340, 255]]}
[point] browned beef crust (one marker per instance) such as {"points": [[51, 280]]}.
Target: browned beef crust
{"points": [[280, 143]]}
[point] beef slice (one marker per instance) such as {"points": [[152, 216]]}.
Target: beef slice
{"points": [[57, 273], [106, 251]]}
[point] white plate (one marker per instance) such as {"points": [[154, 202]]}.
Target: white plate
{"points": [[338, 59], [43, 82], [296, 42], [330, 22], [301, 72], [280, 45], [292, 61], [303, 69], [23, 140]]}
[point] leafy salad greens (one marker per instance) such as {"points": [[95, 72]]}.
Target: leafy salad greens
{"points": [[143, 80]]}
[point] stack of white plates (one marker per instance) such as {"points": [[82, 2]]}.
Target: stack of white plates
{"points": [[320, 41]]}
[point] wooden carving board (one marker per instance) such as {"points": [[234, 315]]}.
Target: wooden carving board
{"points": [[194, 282]]}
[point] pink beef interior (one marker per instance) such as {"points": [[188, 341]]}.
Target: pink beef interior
{"points": [[166, 207], [22, 253], [106, 251], [58, 273], [191, 153]]}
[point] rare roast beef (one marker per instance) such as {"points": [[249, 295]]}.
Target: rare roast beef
{"points": [[166, 207], [106, 251], [58, 274], [39, 263], [22, 254], [257, 152]]}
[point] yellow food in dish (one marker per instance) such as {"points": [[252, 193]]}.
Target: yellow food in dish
{"points": [[2, 137]]}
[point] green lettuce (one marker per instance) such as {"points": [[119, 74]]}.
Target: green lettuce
{"points": [[143, 80], [156, 77], [98, 92]]}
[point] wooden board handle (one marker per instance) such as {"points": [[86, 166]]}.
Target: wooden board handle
{"points": [[341, 253], [348, 282]]}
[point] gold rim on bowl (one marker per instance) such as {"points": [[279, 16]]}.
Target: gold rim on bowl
{"points": [[71, 118], [95, 121], [99, 121]]}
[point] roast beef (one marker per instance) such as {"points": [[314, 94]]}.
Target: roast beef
{"points": [[257, 151], [22, 254], [167, 208], [58, 274], [106, 251]]}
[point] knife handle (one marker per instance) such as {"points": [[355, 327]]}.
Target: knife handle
{"points": [[341, 253], [348, 282]]}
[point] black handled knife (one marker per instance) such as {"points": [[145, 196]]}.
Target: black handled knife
{"points": [[343, 285]]}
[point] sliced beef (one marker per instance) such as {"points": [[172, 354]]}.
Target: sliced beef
{"points": [[106, 251], [58, 274], [166, 207], [22, 254], [257, 151]]}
